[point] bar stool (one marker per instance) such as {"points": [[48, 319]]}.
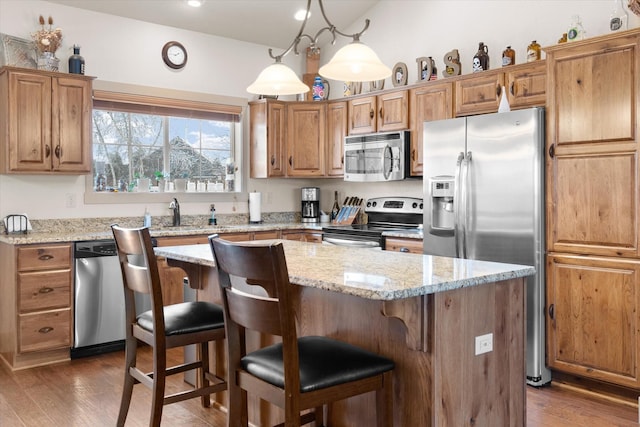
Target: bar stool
{"points": [[301, 372], [162, 328]]}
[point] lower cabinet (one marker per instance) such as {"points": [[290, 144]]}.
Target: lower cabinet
{"points": [[35, 308], [593, 308], [312, 236], [399, 244]]}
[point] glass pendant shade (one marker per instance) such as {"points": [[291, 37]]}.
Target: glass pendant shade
{"points": [[355, 62], [278, 79]]}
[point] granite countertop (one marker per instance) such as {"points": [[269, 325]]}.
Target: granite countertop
{"points": [[187, 230], [376, 274]]}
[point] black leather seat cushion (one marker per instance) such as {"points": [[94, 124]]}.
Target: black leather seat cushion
{"points": [[186, 317], [324, 362]]}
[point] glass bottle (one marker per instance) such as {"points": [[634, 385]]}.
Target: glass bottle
{"points": [[619, 17], [533, 51], [508, 57], [76, 62], [336, 207], [481, 58], [576, 30]]}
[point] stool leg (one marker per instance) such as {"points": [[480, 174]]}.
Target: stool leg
{"points": [[159, 380], [384, 401], [131, 349], [204, 382]]}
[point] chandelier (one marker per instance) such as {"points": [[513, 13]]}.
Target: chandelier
{"points": [[354, 62]]}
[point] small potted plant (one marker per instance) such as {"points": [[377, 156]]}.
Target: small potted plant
{"points": [[160, 180]]}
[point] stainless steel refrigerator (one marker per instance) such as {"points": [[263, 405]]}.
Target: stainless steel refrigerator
{"points": [[484, 200]]}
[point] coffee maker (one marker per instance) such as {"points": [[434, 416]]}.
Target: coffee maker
{"points": [[310, 204]]}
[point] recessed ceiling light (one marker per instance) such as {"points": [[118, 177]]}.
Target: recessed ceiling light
{"points": [[299, 16], [195, 3]]}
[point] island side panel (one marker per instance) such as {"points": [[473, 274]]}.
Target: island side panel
{"points": [[360, 321], [486, 389]]}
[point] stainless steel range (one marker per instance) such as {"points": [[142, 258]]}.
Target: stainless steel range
{"points": [[384, 214]]}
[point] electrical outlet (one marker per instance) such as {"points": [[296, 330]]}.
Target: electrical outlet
{"points": [[484, 344], [70, 200]]}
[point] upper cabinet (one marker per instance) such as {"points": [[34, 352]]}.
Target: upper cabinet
{"points": [[267, 131], [306, 126], [426, 103], [379, 113], [480, 93], [336, 132], [45, 122]]}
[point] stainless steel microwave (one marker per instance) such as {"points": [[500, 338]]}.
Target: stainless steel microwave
{"points": [[376, 157]]}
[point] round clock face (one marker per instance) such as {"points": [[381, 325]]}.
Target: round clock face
{"points": [[174, 55]]}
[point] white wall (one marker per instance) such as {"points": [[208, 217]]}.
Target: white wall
{"points": [[123, 50]]}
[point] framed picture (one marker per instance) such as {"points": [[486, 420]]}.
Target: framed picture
{"points": [[17, 52]]}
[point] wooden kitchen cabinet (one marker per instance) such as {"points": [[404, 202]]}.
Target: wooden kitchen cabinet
{"points": [[432, 101], [306, 127], [379, 113], [480, 93], [336, 132], [593, 306], [45, 122], [312, 236], [400, 244], [267, 132], [35, 310], [592, 326]]}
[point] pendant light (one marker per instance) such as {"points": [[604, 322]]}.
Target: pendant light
{"points": [[355, 62]]}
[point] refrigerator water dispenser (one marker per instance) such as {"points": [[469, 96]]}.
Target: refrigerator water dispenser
{"points": [[442, 214]]}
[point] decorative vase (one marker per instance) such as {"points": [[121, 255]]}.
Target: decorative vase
{"points": [[47, 61], [318, 89]]}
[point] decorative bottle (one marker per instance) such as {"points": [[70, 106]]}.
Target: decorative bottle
{"points": [[508, 57], [576, 30], [336, 207], [533, 51], [619, 17], [76, 62], [481, 58], [318, 89]]}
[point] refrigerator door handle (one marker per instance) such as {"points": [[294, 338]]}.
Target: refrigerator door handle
{"points": [[457, 199], [464, 214]]}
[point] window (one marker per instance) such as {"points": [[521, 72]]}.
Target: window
{"points": [[153, 144]]}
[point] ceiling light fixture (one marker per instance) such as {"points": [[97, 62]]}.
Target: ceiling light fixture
{"points": [[354, 62], [195, 3]]}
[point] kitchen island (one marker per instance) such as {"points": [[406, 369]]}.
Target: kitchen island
{"points": [[454, 327]]}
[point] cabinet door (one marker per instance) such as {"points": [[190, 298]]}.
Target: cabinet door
{"points": [[592, 328], [71, 125], [426, 103], [336, 132], [306, 126], [413, 246], [276, 137], [478, 93], [29, 108], [393, 111], [362, 115], [266, 139], [527, 85]]}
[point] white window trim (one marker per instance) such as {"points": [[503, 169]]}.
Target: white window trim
{"points": [[92, 197]]}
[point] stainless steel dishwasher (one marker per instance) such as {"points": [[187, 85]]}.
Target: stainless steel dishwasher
{"points": [[98, 299]]}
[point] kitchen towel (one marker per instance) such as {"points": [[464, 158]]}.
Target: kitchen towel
{"points": [[254, 207]]}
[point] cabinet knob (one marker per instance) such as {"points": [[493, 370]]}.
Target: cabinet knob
{"points": [[380, 112], [371, 113], [403, 249], [498, 90], [413, 155], [45, 257], [511, 88], [342, 160], [47, 150], [291, 161], [552, 150], [45, 290], [58, 151], [45, 330], [273, 160]]}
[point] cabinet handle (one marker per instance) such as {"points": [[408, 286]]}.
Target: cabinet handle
{"points": [[342, 160], [45, 290], [552, 150], [413, 155], [511, 89], [552, 312], [58, 151], [290, 161], [380, 113], [371, 114], [498, 90], [45, 329], [403, 249], [47, 150], [273, 160], [45, 257]]}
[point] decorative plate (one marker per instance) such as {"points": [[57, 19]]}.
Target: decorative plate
{"points": [[17, 52]]}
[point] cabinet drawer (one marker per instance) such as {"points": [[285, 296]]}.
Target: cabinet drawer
{"points": [[44, 290], [413, 246], [44, 257], [44, 331]]}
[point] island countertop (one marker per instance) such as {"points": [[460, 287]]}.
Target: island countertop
{"points": [[369, 273]]}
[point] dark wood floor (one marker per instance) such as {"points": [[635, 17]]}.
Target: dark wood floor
{"points": [[86, 392]]}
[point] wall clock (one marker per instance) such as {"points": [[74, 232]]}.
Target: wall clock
{"points": [[174, 55]]}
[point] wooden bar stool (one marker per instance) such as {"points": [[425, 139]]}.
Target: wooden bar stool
{"points": [[162, 328], [301, 372]]}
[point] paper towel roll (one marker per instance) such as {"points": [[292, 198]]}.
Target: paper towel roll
{"points": [[254, 207]]}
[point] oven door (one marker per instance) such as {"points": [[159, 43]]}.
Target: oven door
{"points": [[370, 162]]}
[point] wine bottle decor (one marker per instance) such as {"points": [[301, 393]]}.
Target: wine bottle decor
{"points": [[76, 62], [481, 58]]}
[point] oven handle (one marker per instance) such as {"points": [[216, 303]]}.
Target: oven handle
{"points": [[349, 243]]}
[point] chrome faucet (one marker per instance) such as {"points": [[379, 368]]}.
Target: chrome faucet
{"points": [[175, 206]]}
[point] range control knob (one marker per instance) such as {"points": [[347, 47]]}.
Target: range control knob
{"points": [[368, 204], [375, 204], [420, 205], [414, 205]]}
